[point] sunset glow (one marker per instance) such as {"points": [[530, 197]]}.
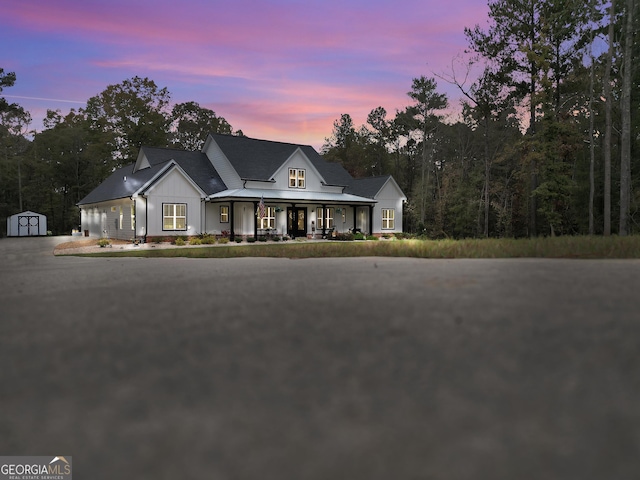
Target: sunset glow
{"points": [[280, 70]]}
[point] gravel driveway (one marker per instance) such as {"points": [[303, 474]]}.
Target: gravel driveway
{"points": [[367, 368]]}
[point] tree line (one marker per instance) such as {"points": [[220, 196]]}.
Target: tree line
{"points": [[74, 153], [549, 133], [546, 143]]}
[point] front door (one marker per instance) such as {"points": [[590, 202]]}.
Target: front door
{"points": [[297, 222]]}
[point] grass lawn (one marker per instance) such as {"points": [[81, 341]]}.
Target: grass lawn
{"points": [[558, 247]]}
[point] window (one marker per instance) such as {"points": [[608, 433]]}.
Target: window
{"points": [[296, 178], [174, 216], [388, 218], [328, 216], [269, 219], [224, 214]]}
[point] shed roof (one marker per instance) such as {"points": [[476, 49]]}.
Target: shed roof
{"points": [[27, 213]]}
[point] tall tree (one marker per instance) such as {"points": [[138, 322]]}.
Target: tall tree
{"points": [[381, 137], [14, 125], [343, 146], [625, 155], [65, 168], [6, 80], [191, 124], [427, 102], [487, 101], [130, 114], [608, 98], [513, 43]]}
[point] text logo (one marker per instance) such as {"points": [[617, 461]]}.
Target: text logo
{"points": [[56, 467]]}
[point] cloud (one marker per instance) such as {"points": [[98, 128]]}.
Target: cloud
{"points": [[285, 67], [54, 100]]}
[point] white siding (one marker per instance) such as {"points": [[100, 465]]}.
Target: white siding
{"points": [[299, 160], [103, 219], [141, 217], [224, 168], [173, 188], [389, 196], [212, 219], [141, 162], [249, 184], [90, 220]]}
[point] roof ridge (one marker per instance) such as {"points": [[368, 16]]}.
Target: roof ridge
{"points": [[260, 140]]}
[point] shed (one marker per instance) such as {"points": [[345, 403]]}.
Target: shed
{"points": [[26, 224]]}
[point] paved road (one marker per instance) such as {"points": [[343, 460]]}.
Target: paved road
{"points": [[369, 368]]}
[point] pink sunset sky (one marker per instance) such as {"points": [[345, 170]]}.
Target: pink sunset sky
{"points": [[279, 70]]}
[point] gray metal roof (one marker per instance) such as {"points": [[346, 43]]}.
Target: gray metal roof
{"points": [[194, 164], [260, 159], [252, 159], [290, 196], [368, 186]]}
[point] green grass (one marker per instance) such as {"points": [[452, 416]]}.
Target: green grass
{"points": [[558, 247]]}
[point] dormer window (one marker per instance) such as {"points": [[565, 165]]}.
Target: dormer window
{"points": [[296, 178]]}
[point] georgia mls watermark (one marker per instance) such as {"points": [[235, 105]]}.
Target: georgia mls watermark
{"points": [[36, 468]]}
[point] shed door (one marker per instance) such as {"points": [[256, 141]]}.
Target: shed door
{"points": [[28, 225]]}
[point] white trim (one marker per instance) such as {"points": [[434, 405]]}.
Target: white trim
{"points": [[171, 165], [293, 195], [311, 165]]}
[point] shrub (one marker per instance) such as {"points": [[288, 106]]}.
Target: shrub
{"points": [[372, 237], [359, 236], [276, 238], [345, 237], [224, 240], [195, 241], [262, 239], [179, 241], [103, 242], [225, 233], [208, 239], [238, 239], [251, 239]]}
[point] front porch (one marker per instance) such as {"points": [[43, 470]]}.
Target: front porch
{"points": [[276, 218]]}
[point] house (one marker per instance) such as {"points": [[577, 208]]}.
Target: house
{"points": [[239, 186], [26, 224]]}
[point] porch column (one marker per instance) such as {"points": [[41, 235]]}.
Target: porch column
{"points": [[232, 230], [370, 219], [355, 217], [255, 220]]}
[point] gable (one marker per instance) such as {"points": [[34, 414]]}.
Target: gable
{"points": [[298, 162], [390, 191], [384, 187], [221, 163], [152, 162], [175, 183], [142, 162]]}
